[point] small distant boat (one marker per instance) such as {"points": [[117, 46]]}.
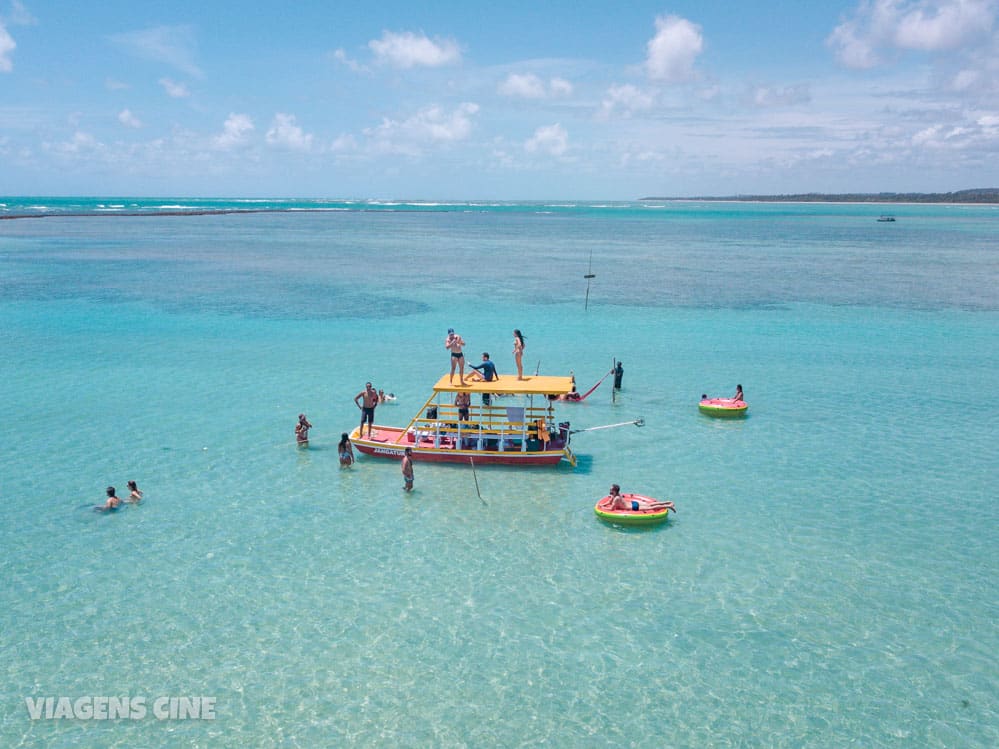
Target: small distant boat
{"points": [[886, 219], [630, 517], [723, 407]]}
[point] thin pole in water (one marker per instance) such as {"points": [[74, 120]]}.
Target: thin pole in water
{"points": [[474, 476], [589, 276]]}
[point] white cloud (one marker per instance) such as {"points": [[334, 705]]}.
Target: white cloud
{"points": [[345, 143], [431, 125], [285, 133], [7, 47], [560, 87], [852, 48], [409, 50], [235, 132], [770, 96], [19, 15], [626, 99], [989, 123], [920, 25], [126, 118], [672, 51], [174, 89], [550, 139], [171, 45], [977, 131], [341, 56], [112, 84], [525, 86], [943, 25], [80, 144], [530, 86]]}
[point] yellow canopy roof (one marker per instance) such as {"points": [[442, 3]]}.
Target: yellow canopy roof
{"points": [[508, 383]]}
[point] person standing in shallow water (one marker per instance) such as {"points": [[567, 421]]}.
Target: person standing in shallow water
{"points": [[518, 353], [345, 450], [302, 431], [407, 469]]}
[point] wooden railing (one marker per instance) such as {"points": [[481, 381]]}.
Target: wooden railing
{"points": [[488, 428]]}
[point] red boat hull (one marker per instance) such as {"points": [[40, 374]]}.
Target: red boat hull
{"points": [[390, 442]]}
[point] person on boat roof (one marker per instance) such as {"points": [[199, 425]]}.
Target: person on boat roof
{"points": [[485, 371], [454, 344], [619, 502]]}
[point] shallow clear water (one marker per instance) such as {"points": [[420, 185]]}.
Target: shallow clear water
{"points": [[829, 579]]}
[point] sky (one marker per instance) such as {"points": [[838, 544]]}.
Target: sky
{"points": [[537, 100]]}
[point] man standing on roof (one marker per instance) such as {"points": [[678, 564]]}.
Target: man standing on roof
{"points": [[454, 343], [485, 371]]}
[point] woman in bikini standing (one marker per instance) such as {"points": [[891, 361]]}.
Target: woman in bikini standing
{"points": [[345, 451], [518, 353]]}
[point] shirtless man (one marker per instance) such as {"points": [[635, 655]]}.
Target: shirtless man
{"points": [[370, 400], [407, 469], [463, 401], [619, 502], [112, 503], [454, 343]]}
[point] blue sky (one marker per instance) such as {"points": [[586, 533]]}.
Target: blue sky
{"points": [[516, 100]]}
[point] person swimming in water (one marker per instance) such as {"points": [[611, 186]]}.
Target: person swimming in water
{"points": [[135, 492], [112, 503]]}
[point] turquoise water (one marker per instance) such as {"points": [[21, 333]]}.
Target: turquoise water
{"points": [[830, 578]]}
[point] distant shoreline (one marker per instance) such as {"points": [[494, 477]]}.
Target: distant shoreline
{"points": [[983, 196]]}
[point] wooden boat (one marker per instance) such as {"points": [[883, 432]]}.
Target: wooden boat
{"points": [[723, 407], [643, 516], [521, 431]]}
